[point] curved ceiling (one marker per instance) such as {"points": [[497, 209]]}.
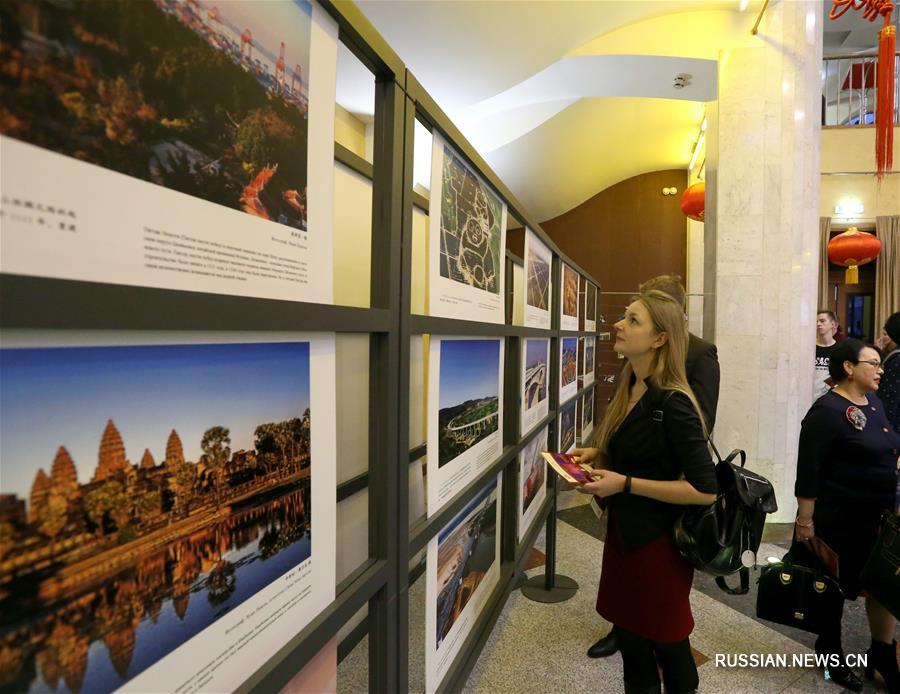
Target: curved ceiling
{"points": [[552, 172], [564, 98]]}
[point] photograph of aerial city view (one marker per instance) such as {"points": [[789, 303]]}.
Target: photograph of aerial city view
{"points": [[589, 355], [537, 279], [469, 395], [471, 215], [587, 412], [569, 369], [532, 471], [570, 291], [567, 426], [147, 491], [535, 380], [466, 551], [207, 98], [591, 301]]}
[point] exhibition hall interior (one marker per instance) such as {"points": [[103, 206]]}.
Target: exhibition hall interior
{"points": [[435, 218]]}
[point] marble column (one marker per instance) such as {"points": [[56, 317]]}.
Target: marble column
{"points": [[764, 164]]}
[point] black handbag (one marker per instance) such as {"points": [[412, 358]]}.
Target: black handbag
{"points": [[880, 577], [723, 538], [798, 593]]}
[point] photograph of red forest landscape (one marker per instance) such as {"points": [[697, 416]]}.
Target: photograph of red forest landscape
{"points": [[147, 492], [206, 98]]}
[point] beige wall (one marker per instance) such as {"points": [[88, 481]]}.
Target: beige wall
{"points": [[852, 151], [349, 131]]}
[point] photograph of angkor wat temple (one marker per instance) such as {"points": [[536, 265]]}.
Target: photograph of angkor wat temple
{"points": [[469, 395], [207, 98], [146, 491]]}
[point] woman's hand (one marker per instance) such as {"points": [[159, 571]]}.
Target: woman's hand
{"points": [[606, 483], [804, 529], [585, 456]]}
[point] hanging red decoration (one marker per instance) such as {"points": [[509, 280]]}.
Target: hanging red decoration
{"points": [[852, 249], [884, 97], [693, 201]]}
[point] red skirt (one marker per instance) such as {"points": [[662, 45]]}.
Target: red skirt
{"points": [[646, 590]]}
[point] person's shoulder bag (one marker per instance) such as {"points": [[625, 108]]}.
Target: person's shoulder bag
{"points": [[723, 538]]}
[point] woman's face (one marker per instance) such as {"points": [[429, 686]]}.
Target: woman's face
{"points": [[635, 333], [866, 373]]}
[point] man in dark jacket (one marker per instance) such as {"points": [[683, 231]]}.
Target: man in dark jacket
{"points": [[702, 368]]}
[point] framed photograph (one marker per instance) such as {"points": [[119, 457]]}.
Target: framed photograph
{"points": [[568, 368], [532, 481], [465, 413], [590, 344], [586, 412], [462, 568], [567, 420], [535, 375], [467, 241], [568, 315], [161, 496], [177, 145], [590, 307], [538, 289]]}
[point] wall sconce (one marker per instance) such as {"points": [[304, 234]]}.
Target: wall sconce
{"points": [[670, 191], [848, 209]]}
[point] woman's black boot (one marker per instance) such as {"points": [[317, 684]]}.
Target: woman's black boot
{"points": [[840, 674], [883, 660]]}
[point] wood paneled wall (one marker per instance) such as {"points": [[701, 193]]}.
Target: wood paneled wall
{"points": [[628, 232], [623, 235]]}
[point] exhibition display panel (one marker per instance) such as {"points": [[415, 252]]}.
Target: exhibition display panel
{"points": [[180, 377]]}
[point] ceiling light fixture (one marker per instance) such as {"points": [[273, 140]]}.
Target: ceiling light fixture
{"points": [[744, 5]]}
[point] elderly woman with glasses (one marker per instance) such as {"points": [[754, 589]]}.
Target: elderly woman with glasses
{"points": [[846, 480]]}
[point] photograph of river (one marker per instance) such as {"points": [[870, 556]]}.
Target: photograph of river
{"points": [[207, 98], [147, 491], [466, 551]]}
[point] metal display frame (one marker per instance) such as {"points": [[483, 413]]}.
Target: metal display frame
{"points": [[382, 581]]}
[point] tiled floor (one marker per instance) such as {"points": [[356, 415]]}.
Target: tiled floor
{"points": [[537, 647]]}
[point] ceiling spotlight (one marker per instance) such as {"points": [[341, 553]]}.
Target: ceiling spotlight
{"points": [[682, 80]]}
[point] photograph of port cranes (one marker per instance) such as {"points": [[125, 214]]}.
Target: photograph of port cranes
{"points": [[207, 98], [467, 549], [469, 395], [146, 491]]}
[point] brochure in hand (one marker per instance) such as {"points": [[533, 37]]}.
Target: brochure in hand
{"points": [[567, 468]]}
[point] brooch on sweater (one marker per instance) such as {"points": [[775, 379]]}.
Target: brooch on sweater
{"points": [[856, 417]]}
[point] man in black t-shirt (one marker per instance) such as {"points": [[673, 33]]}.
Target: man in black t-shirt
{"points": [[826, 322]]}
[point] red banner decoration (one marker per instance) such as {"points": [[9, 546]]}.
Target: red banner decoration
{"points": [[884, 99]]}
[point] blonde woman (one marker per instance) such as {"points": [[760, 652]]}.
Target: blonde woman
{"points": [[651, 460]]}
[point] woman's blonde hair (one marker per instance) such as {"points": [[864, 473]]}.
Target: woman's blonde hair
{"points": [[666, 367]]}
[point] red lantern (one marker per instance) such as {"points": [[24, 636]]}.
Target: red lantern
{"points": [[693, 201], [852, 249]]}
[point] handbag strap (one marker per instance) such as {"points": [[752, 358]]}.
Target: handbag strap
{"points": [[744, 587]]}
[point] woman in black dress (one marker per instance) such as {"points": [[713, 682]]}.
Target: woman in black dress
{"points": [[652, 460], [846, 480]]}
